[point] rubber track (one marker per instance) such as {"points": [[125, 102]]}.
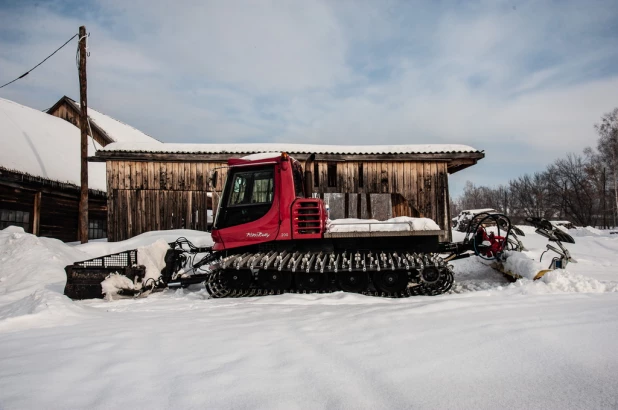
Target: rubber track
{"points": [[217, 288]]}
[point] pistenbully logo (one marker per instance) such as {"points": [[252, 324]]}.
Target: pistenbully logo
{"points": [[257, 235]]}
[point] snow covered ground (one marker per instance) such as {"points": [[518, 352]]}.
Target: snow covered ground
{"points": [[488, 344]]}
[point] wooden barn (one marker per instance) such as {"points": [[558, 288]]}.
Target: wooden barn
{"points": [[39, 175], [165, 186], [39, 167], [46, 207]]}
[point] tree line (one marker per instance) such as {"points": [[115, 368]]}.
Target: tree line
{"points": [[581, 188]]}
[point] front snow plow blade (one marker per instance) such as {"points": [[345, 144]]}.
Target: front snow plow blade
{"points": [[84, 278]]}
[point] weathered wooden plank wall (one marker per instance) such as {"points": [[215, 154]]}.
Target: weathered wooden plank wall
{"points": [[71, 115], [57, 216], [156, 195], [422, 184], [145, 196]]}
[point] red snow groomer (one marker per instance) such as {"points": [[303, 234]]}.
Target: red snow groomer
{"points": [[271, 236]]}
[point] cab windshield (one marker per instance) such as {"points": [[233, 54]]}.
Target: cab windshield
{"points": [[248, 196], [252, 188]]}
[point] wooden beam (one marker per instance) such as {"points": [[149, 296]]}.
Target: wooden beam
{"points": [[83, 122], [36, 214], [51, 190], [459, 164], [74, 107]]}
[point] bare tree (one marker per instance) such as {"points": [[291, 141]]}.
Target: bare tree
{"points": [[530, 196], [578, 187], [471, 198], [454, 207], [574, 188], [607, 146]]}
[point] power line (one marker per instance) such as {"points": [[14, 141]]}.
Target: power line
{"points": [[28, 72]]}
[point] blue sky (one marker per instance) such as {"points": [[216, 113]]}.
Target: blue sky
{"points": [[523, 80]]}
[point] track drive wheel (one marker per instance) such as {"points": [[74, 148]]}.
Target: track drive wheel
{"points": [[309, 281], [215, 287], [354, 282], [430, 275], [391, 281], [274, 279]]}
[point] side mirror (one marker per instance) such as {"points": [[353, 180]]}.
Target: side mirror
{"points": [[213, 179]]}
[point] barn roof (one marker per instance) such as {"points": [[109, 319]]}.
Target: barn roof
{"points": [[458, 157], [112, 129], [254, 148], [40, 145]]}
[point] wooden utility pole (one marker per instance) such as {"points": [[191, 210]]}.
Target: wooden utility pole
{"points": [[83, 122]]}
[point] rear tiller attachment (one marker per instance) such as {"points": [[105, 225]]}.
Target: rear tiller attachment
{"points": [[558, 236], [488, 236], [491, 235]]}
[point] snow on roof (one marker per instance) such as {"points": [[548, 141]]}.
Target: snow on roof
{"points": [[291, 148], [42, 145], [116, 130], [119, 131], [262, 155]]}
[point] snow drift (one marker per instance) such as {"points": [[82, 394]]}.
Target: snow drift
{"points": [[32, 276], [152, 257], [29, 263], [96, 249]]}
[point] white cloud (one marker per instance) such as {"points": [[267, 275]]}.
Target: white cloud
{"points": [[535, 76], [262, 46]]}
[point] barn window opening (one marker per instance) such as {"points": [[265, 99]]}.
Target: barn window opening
{"points": [[316, 174], [97, 229], [331, 171], [17, 218], [384, 179], [361, 177]]}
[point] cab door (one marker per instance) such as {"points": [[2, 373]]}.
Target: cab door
{"points": [[249, 211]]}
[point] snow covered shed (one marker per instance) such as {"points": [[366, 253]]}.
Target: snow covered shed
{"points": [[39, 175], [164, 186]]}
